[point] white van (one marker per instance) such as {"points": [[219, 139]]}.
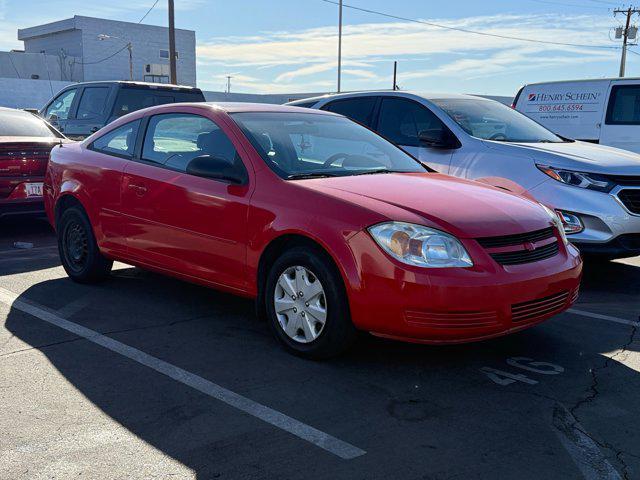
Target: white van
{"points": [[605, 111]]}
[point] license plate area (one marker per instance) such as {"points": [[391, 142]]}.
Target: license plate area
{"points": [[33, 189]]}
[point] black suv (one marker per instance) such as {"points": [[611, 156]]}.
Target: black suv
{"points": [[83, 108]]}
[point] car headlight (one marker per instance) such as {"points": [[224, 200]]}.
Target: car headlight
{"points": [[557, 222], [591, 181], [420, 246]]}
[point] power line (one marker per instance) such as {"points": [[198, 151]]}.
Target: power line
{"points": [[106, 58], [475, 32], [149, 11]]}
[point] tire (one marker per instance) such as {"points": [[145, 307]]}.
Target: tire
{"points": [[78, 249], [308, 337]]}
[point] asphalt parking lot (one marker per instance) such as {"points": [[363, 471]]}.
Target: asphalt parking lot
{"points": [[144, 376]]}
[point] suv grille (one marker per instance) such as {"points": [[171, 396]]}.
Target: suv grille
{"points": [[631, 199], [518, 239], [526, 256]]}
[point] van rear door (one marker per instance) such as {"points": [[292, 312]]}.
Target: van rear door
{"points": [[571, 109], [621, 126]]}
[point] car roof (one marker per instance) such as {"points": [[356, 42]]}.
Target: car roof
{"points": [[236, 107], [583, 80], [399, 93], [159, 86]]}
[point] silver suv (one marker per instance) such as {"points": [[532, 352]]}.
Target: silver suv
{"points": [[595, 189]]}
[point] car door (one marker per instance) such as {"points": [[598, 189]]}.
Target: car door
{"points": [[60, 110], [621, 127], [400, 120], [179, 222], [109, 154], [91, 112]]}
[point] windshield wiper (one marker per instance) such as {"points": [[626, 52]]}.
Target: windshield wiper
{"points": [[382, 170], [302, 176]]}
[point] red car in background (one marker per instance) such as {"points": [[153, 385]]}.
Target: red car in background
{"points": [[329, 226], [25, 143]]}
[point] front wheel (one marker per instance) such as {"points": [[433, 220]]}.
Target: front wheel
{"points": [[307, 305], [78, 249]]}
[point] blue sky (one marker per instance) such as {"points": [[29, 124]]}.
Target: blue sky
{"points": [[290, 46]]}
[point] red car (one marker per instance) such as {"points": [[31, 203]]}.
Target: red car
{"points": [[329, 226], [25, 143]]}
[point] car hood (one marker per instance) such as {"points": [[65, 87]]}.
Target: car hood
{"points": [[464, 208], [580, 156]]}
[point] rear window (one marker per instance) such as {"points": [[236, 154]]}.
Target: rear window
{"points": [[24, 124], [132, 99], [624, 105]]}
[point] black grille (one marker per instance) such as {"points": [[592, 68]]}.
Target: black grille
{"points": [[542, 307], [526, 256], [518, 239], [631, 199], [624, 180]]}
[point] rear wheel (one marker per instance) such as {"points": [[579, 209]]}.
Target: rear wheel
{"points": [[307, 305], [78, 249]]}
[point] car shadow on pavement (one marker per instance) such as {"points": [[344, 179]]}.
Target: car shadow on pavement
{"points": [[405, 402]]}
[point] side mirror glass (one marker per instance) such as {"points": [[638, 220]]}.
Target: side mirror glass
{"points": [[436, 138], [217, 168]]}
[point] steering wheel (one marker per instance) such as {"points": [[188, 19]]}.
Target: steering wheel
{"points": [[334, 158], [498, 136]]}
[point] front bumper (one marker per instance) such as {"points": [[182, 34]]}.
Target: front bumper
{"points": [[454, 305], [609, 228]]}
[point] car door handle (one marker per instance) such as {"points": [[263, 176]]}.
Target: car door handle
{"points": [[139, 189]]}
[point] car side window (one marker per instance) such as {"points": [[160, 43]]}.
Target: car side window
{"points": [[359, 109], [61, 106], [624, 105], [120, 141], [401, 120], [92, 103], [174, 139]]}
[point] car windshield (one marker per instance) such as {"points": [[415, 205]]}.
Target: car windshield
{"points": [[490, 120], [304, 145], [16, 123]]}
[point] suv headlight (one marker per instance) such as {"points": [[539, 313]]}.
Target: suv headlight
{"points": [[591, 181], [420, 246], [557, 222]]}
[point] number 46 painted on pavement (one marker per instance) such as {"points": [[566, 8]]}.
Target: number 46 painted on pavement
{"points": [[507, 378]]}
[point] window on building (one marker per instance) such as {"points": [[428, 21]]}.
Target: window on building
{"points": [[165, 54], [92, 103], [120, 141]]}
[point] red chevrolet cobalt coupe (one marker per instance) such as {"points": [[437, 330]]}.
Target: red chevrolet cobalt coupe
{"points": [[330, 227]]}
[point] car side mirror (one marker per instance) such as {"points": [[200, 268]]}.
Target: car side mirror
{"points": [[53, 119], [217, 168], [437, 138]]}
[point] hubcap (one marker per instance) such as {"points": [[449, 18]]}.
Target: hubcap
{"points": [[76, 245], [300, 304]]}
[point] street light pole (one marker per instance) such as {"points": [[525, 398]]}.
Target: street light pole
{"points": [[339, 44], [130, 48], [172, 44]]}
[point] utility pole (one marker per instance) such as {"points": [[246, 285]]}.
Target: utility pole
{"points": [[629, 12], [339, 44], [130, 48], [229, 77], [172, 44]]}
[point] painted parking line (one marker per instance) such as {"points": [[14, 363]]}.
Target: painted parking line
{"points": [[301, 430], [600, 316]]}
